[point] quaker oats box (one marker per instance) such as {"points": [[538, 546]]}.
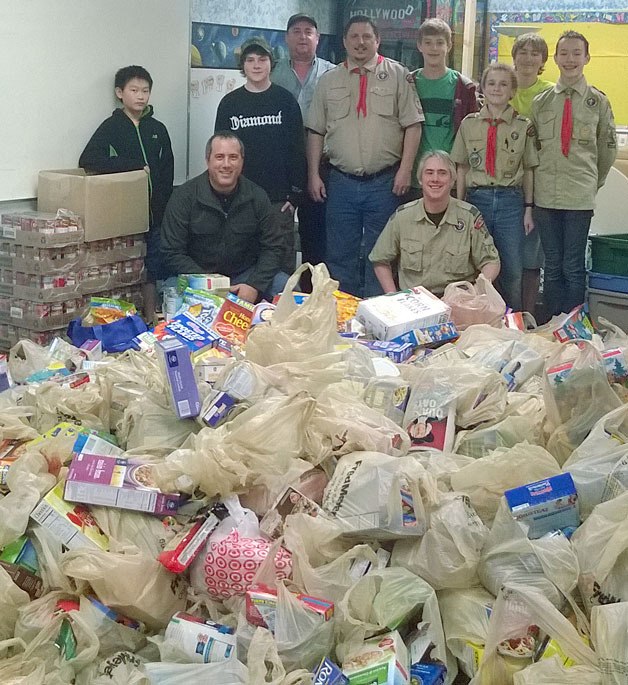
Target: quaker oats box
{"points": [[115, 482]]}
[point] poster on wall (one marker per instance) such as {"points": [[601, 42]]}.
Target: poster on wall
{"points": [[394, 18], [215, 46], [207, 88]]}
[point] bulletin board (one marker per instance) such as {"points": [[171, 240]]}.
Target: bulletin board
{"points": [[608, 68], [58, 64]]}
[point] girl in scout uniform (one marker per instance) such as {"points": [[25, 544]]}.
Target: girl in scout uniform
{"points": [[495, 150]]}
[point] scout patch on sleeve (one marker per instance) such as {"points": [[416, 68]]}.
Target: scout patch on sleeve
{"points": [[478, 222], [531, 131], [591, 102]]}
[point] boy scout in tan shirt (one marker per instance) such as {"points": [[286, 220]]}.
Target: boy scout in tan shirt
{"points": [[438, 240], [577, 147]]}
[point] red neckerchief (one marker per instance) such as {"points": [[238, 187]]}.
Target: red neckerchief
{"points": [[566, 127], [361, 108]]}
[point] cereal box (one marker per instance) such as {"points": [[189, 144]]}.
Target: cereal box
{"points": [[327, 673], [430, 335], [261, 606], [72, 524], [546, 505], [234, 319], [176, 362], [120, 483], [388, 316], [381, 660]]}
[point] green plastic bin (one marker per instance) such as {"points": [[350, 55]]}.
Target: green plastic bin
{"points": [[609, 254]]}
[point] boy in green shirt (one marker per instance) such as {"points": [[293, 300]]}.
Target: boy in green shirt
{"points": [[446, 95], [529, 54]]}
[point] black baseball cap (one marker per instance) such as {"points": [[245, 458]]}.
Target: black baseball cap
{"points": [[301, 17]]}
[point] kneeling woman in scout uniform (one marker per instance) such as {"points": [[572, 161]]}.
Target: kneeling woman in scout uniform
{"points": [[495, 150]]}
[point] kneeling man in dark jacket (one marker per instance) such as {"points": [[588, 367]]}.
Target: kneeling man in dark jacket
{"points": [[220, 222]]}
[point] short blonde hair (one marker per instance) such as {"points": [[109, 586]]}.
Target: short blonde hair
{"points": [[500, 66]]}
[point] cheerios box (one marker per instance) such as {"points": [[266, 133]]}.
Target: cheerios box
{"points": [[380, 660], [119, 483]]}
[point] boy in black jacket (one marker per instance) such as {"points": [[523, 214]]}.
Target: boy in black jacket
{"points": [[132, 139]]}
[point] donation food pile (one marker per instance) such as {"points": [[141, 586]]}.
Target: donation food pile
{"points": [[318, 490]]}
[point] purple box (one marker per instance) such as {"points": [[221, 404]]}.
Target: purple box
{"points": [[115, 482], [180, 373]]}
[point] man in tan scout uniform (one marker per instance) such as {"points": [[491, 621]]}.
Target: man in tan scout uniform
{"points": [[577, 147], [369, 117], [437, 239]]}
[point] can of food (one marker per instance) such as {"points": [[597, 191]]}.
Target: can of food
{"points": [[203, 641]]}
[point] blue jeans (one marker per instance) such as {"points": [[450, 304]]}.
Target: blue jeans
{"points": [[502, 209], [357, 212], [564, 234]]}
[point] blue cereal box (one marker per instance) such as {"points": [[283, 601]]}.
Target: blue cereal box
{"points": [[191, 331], [396, 352], [430, 335], [180, 374], [545, 506], [328, 673], [427, 674]]}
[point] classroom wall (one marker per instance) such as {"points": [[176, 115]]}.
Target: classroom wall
{"points": [[266, 14], [603, 22]]}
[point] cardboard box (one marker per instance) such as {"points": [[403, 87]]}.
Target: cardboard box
{"points": [[261, 606], [24, 579], [389, 316], [430, 335], [327, 673], [290, 501], [72, 524], [546, 505], [110, 205], [120, 483], [184, 397], [381, 660], [22, 553], [396, 352]]}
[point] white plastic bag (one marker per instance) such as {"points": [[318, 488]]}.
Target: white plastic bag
{"points": [[374, 495], [609, 627], [509, 643], [601, 544], [387, 599], [448, 554], [548, 564], [486, 479], [599, 466], [465, 615], [134, 584], [575, 398], [230, 672], [11, 599], [297, 332], [552, 672]]}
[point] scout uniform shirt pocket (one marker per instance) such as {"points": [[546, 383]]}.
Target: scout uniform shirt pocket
{"points": [[338, 103], [456, 260], [382, 101], [411, 258], [583, 131], [476, 151], [546, 126]]}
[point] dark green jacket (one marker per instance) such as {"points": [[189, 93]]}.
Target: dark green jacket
{"points": [[197, 236]]}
